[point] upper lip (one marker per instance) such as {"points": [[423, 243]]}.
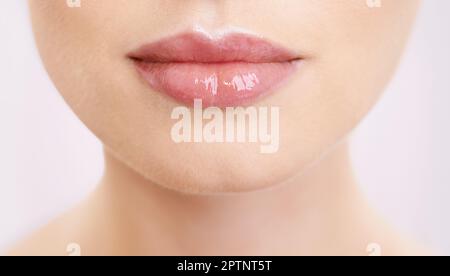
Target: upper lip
{"points": [[235, 47]]}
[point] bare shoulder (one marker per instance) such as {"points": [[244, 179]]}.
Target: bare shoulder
{"points": [[405, 248], [58, 238], [397, 243], [84, 230]]}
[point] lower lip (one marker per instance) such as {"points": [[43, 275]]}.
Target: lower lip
{"points": [[216, 84]]}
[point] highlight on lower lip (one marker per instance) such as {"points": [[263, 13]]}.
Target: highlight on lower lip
{"points": [[233, 70], [221, 85]]}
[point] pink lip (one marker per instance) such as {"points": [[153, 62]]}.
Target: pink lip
{"points": [[233, 70]]}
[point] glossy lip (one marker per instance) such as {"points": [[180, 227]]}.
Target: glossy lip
{"points": [[234, 69]]}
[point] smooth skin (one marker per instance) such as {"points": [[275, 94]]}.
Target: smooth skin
{"points": [[158, 197]]}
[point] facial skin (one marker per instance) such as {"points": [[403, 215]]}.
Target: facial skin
{"points": [[350, 53]]}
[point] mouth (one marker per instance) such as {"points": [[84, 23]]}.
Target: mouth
{"points": [[234, 69]]}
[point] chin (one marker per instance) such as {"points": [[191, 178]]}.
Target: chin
{"points": [[212, 169]]}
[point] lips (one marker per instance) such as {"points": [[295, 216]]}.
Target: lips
{"points": [[235, 69]]}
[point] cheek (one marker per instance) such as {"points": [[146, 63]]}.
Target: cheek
{"points": [[80, 51], [359, 50], [360, 55]]}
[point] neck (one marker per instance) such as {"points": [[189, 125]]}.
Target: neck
{"points": [[312, 213]]}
